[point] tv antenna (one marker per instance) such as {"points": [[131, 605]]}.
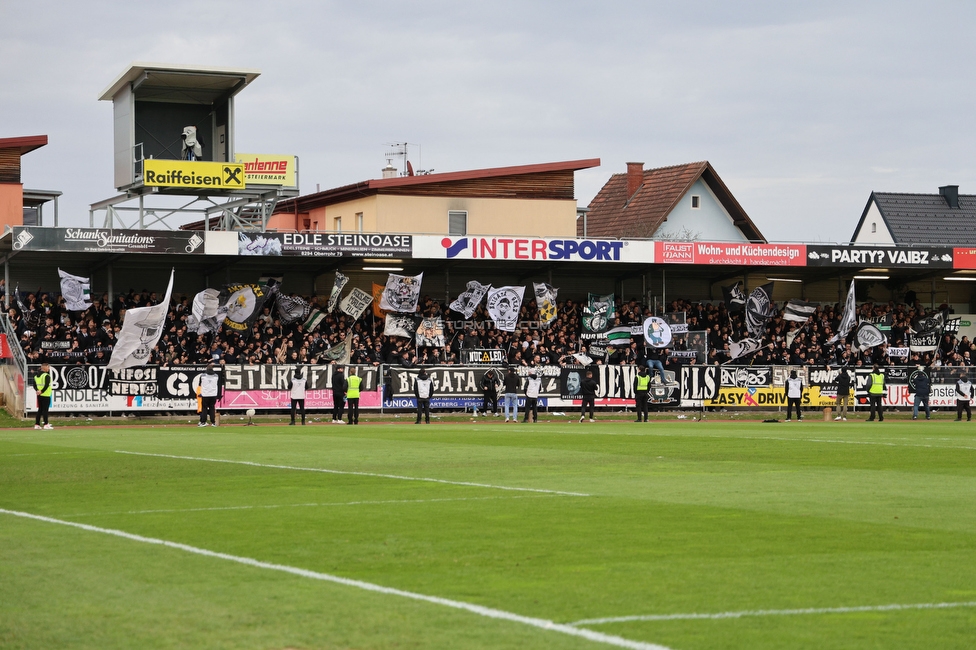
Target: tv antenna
{"points": [[400, 151]]}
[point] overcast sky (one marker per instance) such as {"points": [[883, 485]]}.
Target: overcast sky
{"points": [[802, 108]]}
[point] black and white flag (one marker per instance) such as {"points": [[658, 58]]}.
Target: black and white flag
{"points": [[598, 312], [337, 287], [745, 347], [292, 309], [141, 329], [32, 317], [868, 336], [799, 311], [241, 305], [469, 299], [430, 333], [925, 332], [503, 305], [402, 293], [848, 319], [76, 291], [545, 300], [204, 316], [356, 302], [399, 325], [759, 309], [735, 300]]}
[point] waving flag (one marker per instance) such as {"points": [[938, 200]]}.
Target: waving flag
{"points": [[141, 329]]}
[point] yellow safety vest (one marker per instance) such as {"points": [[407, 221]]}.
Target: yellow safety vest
{"points": [[877, 384], [643, 382], [39, 382], [354, 382]]}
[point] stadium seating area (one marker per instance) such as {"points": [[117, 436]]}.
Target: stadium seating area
{"points": [[47, 332]]}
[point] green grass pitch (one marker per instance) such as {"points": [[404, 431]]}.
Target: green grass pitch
{"points": [[624, 530]]}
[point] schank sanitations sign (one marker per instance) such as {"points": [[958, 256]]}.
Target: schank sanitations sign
{"points": [[106, 240]]}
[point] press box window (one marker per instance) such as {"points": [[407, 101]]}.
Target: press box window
{"points": [[457, 222], [695, 202]]}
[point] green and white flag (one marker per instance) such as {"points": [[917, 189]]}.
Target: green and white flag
{"points": [[314, 319], [619, 336]]}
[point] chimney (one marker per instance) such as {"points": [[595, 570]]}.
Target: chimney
{"points": [[951, 195], [389, 171], [635, 178]]}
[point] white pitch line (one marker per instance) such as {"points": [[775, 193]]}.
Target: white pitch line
{"points": [[480, 610], [350, 473], [772, 612], [301, 505], [856, 442]]}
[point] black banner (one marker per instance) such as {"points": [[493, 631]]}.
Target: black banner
{"points": [[316, 244], [929, 257], [700, 382], [180, 382], [105, 240], [492, 357], [140, 380]]}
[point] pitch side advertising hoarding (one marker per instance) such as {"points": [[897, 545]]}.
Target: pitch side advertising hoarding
{"points": [[730, 254], [321, 244], [532, 249], [929, 257], [105, 240]]}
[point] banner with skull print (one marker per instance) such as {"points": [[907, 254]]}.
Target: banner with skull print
{"points": [[545, 300], [468, 301], [402, 293], [504, 304], [142, 328]]}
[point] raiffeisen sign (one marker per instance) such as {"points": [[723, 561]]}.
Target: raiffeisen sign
{"points": [[532, 249]]}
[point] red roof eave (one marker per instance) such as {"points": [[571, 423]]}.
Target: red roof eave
{"points": [[25, 144], [371, 186]]}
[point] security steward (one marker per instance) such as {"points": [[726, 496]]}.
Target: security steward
{"points": [[353, 383], [876, 392], [42, 384], [642, 384], [423, 389]]}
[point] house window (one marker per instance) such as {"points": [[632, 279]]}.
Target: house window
{"points": [[457, 222], [337, 224], [874, 226], [359, 221], [695, 202]]}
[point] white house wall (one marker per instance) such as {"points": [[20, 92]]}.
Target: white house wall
{"points": [[881, 235], [709, 222]]}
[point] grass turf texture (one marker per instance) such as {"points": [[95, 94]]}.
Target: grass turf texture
{"points": [[681, 518]]}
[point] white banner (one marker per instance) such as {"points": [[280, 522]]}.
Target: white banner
{"points": [[142, 328]]}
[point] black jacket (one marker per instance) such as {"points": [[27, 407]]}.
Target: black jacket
{"points": [[512, 383], [588, 387]]}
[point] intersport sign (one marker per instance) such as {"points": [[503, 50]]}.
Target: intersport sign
{"points": [[532, 249]]}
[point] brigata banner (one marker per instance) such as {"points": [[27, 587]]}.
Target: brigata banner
{"points": [[317, 244], [532, 249], [732, 254], [927, 257], [105, 240]]}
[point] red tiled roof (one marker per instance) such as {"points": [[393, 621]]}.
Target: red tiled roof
{"points": [[612, 213]]}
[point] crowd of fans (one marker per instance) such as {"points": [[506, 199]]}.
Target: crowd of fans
{"points": [[48, 332]]}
